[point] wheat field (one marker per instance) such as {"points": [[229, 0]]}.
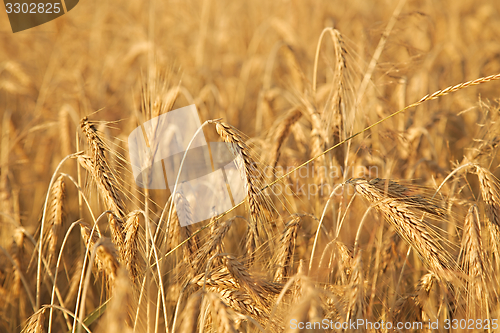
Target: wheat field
{"points": [[367, 135]]}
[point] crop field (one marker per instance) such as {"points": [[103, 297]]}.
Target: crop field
{"points": [[365, 139]]}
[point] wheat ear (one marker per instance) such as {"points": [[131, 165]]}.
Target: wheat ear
{"points": [[473, 263], [35, 323], [408, 218], [248, 282], [98, 167], [240, 149], [117, 318], [284, 257], [211, 247], [490, 191], [191, 313], [56, 215], [183, 209], [221, 315], [282, 132], [356, 307], [338, 121], [472, 255], [107, 258], [131, 245], [240, 302]]}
